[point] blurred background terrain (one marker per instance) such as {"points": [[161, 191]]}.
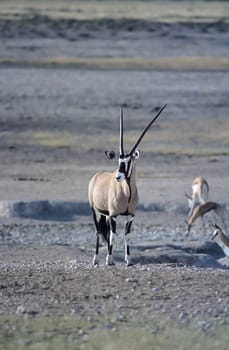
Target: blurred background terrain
{"points": [[66, 67]]}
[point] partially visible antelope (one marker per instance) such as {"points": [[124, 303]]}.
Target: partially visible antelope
{"points": [[114, 194], [202, 209], [223, 238], [200, 190]]}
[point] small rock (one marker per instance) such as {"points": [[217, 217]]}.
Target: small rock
{"points": [[21, 309], [132, 280]]}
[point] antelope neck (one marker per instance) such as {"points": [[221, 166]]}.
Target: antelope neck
{"points": [[130, 181], [129, 186]]}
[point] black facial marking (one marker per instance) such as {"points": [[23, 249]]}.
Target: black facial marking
{"points": [[122, 168]]}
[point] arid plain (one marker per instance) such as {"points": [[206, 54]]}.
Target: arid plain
{"points": [[65, 70]]}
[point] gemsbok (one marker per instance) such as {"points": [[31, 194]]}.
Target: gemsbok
{"points": [[115, 193], [200, 190]]}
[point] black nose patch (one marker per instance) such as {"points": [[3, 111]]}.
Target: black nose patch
{"points": [[122, 167]]}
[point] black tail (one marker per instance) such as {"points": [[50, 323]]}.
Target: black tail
{"points": [[102, 226]]}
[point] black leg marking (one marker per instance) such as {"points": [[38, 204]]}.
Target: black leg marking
{"points": [[95, 258], [113, 232], [97, 244], [102, 226], [127, 231], [109, 260]]}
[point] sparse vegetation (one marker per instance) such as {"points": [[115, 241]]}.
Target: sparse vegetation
{"points": [[127, 63], [82, 9], [168, 140], [69, 333]]}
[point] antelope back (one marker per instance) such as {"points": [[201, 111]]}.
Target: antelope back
{"points": [[200, 188], [202, 209]]}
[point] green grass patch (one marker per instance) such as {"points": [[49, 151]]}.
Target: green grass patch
{"points": [[70, 333]]}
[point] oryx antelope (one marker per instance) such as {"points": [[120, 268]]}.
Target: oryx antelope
{"points": [[202, 209], [114, 194], [200, 190]]}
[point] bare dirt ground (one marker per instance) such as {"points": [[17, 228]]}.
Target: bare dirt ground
{"points": [[57, 117]]}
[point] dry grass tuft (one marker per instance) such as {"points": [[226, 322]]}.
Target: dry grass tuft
{"points": [[127, 63]]}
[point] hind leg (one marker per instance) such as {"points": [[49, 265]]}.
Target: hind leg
{"points": [[96, 256], [95, 260], [193, 203], [127, 247], [111, 241]]}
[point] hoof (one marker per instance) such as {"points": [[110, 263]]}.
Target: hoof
{"points": [[95, 260], [128, 261], [109, 260]]}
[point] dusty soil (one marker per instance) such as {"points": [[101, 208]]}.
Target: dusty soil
{"points": [[56, 121], [60, 281]]}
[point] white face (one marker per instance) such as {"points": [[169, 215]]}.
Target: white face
{"points": [[125, 164]]}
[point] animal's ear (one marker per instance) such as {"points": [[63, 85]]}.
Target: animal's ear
{"points": [[110, 154], [136, 154]]}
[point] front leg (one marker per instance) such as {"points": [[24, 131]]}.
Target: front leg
{"points": [[129, 221], [109, 258], [96, 259]]}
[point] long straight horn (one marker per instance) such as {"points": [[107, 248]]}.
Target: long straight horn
{"points": [[121, 148], [146, 129]]}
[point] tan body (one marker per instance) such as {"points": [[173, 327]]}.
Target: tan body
{"points": [[200, 190], [111, 197], [203, 209]]}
